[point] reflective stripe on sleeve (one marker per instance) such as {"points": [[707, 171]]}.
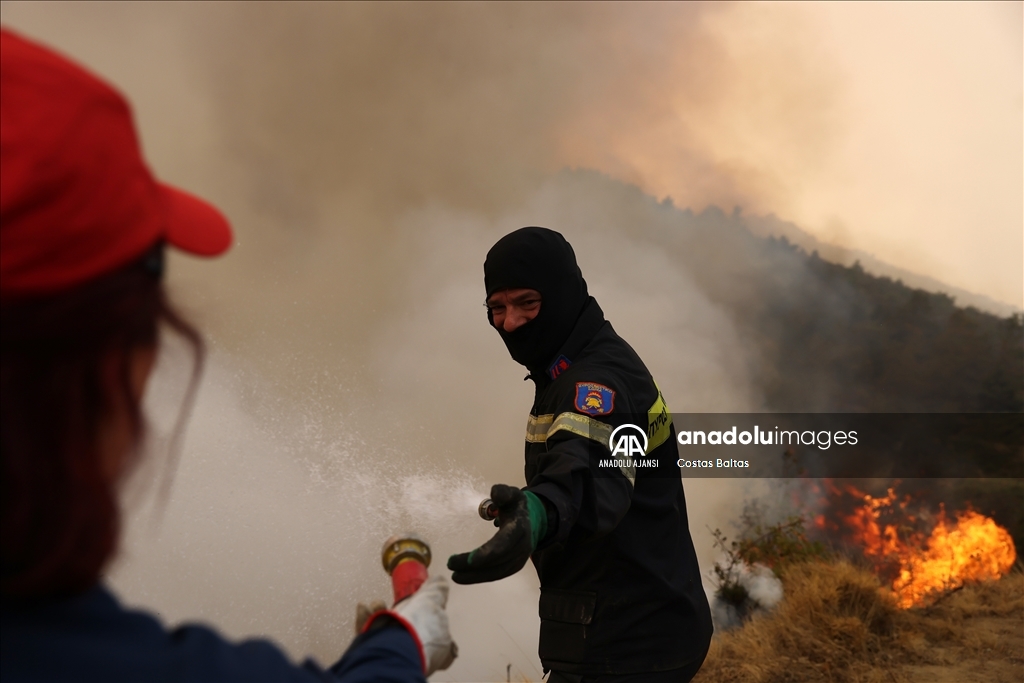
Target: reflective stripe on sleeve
{"points": [[541, 427], [537, 428], [582, 425]]}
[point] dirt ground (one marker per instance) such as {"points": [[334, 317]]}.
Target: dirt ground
{"points": [[836, 623]]}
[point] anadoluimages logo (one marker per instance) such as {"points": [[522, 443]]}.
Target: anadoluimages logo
{"points": [[623, 442]]}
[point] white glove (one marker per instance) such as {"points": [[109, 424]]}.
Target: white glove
{"points": [[424, 609]]}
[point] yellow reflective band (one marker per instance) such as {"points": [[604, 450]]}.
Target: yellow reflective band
{"points": [[537, 428], [581, 425], [659, 423]]}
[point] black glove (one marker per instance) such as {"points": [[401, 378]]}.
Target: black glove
{"points": [[522, 522]]}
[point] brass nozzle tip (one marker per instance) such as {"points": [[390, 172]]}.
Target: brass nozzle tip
{"points": [[401, 547]]}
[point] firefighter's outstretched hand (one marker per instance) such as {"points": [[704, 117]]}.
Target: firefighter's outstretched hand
{"points": [[522, 523]]}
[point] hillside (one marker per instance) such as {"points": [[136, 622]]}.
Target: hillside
{"points": [[773, 226], [834, 338], [822, 336], [826, 337]]}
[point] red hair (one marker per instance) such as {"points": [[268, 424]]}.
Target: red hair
{"points": [[60, 512]]}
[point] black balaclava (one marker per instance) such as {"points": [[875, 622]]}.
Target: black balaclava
{"points": [[541, 259]]}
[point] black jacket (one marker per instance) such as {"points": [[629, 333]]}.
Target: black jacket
{"points": [[620, 587]]}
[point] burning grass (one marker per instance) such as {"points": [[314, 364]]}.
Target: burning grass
{"points": [[925, 563], [838, 623], [928, 597]]}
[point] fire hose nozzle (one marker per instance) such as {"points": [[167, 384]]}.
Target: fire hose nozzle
{"points": [[405, 558], [488, 510]]}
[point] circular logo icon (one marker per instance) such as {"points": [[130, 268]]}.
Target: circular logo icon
{"points": [[623, 441]]}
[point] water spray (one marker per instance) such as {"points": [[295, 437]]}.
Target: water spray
{"points": [[405, 558]]}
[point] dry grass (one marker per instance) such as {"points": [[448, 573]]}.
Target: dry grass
{"points": [[836, 623]]}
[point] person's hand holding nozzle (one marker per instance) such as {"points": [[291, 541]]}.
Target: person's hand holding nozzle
{"points": [[521, 519], [425, 611], [419, 601]]}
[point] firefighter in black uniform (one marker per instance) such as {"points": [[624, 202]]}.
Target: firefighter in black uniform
{"points": [[621, 594]]}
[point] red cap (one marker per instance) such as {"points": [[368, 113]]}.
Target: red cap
{"points": [[76, 197]]}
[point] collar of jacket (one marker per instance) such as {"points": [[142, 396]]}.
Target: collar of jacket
{"points": [[587, 325]]}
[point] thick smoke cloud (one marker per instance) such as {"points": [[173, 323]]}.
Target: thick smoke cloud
{"points": [[318, 126], [368, 155]]}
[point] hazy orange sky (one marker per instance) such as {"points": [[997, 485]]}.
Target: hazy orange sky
{"points": [[895, 128], [934, 141]]}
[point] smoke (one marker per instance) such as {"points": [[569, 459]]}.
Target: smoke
{"points": [[318, 127], [368, 155], [762, 592]]}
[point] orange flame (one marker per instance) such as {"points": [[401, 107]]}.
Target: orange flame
{"points": [[971, 548]]}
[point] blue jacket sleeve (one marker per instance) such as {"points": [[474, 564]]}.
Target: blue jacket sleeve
{"points": [[93, 638], [387, 655]]}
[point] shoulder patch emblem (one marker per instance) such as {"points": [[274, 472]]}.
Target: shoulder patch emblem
{"points": [[594, 399], [560, 365]]}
